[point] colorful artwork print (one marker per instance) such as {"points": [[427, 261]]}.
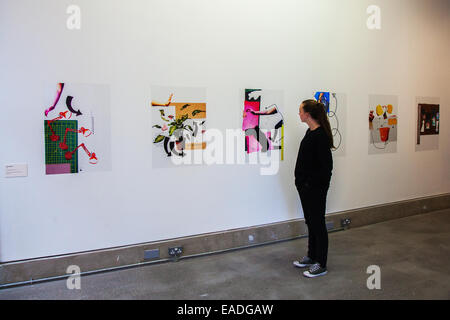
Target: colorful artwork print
{"points": [[323, 97], [178, 123], [58, 158], [428, 120], [68, 133], [262, 122], [334, 105], [428, 124], [383, 123]]}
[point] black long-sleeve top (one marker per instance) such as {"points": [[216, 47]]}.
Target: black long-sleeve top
{"points": [[314, 160]]}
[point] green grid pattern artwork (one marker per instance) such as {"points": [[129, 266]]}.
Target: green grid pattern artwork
{"points": [[53, 153]]}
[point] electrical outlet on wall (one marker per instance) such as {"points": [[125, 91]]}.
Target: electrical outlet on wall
{"points": [[346, 222], [151, 254], [330, 225], [175, 252]]}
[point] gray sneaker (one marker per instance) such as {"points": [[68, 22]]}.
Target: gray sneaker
{"points": [[304, 262], [315, 271]]}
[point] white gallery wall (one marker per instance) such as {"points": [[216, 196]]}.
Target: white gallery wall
{"points": [[223, 46]]}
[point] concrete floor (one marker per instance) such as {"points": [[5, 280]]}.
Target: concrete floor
{"points": [[413, 254]]}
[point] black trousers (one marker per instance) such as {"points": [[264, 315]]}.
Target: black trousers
{"points": [[314, 203]]}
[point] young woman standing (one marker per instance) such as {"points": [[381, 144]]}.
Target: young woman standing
{"points": [[312, 179]]}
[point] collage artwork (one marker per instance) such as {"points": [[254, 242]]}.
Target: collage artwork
{"points": [[77, 124], [76, 129]]}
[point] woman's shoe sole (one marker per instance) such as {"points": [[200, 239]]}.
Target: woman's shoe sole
{"points": [[309, 275], [299, 265]]}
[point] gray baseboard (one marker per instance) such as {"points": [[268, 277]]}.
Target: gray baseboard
{"points": [[42, 269]]}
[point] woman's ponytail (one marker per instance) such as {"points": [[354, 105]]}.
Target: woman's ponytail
{"points": [[318, 113]]}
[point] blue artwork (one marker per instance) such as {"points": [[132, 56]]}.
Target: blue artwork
{"points": [[323, 97]]}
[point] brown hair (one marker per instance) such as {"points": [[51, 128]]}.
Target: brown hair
{"points": [[318, 113]]}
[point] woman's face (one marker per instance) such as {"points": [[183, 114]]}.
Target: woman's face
{"points": [[302, 113]]}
